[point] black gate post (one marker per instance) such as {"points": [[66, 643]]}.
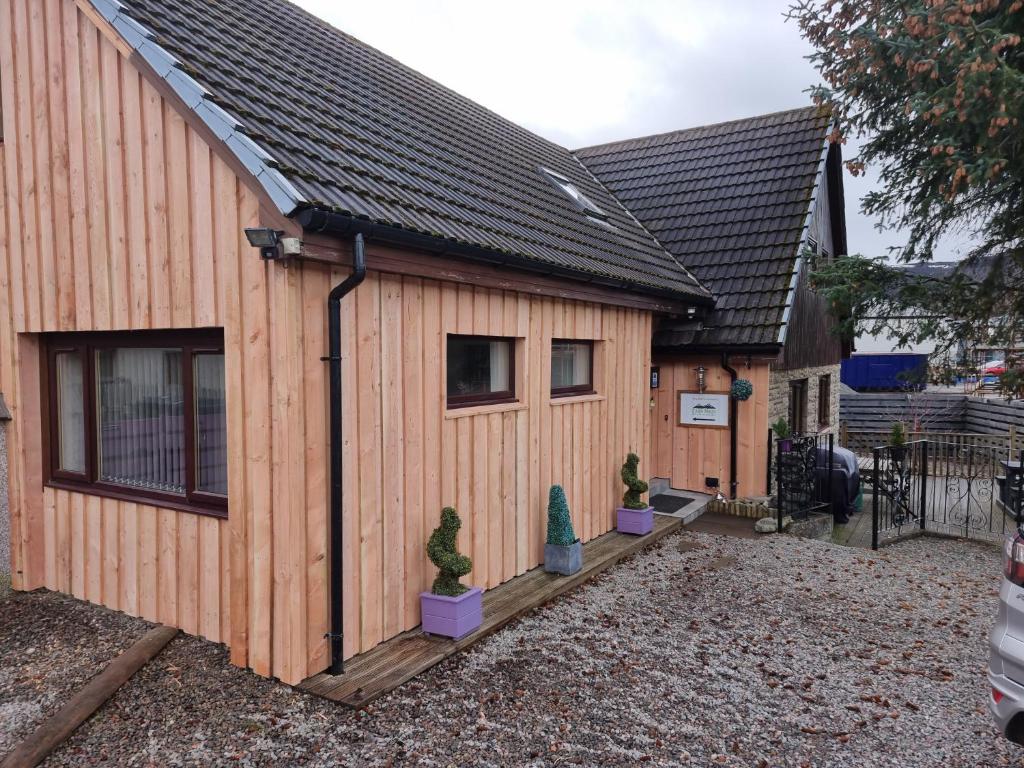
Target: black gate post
{"points": [[779, 484], [924, 481], [874, 502], [768, 468], [828, 474], [1018, 499]]}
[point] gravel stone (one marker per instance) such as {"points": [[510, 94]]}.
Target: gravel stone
{"points": [[798, 653], [51, 646]]}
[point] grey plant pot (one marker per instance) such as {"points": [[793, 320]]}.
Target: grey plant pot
{"points": [[562, 559]]}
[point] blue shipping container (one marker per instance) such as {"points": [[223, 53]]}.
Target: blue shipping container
{"points": [[885, 372]]}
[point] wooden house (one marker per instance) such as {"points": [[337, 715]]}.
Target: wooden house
{"points": [[270, 299], [740, 205]]}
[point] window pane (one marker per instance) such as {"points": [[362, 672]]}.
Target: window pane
{"points": [[570, 364], [211, 425], [70, 412], [478, 366], [141, 418]]}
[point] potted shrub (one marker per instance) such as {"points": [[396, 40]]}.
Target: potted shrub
{"points": [[450, 608], [898, 442], [634, 516], [781, 430], [563, 552]]}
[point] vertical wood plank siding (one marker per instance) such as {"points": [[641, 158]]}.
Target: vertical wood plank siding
{"points": [[107, 197], [406, 455], [119, 216], [688, 455]]}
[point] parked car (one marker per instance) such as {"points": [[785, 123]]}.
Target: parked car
{"points": [[1006, 646]]}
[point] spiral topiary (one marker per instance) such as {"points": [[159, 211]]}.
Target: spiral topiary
{"points": [[741, 389], [560, 530], [631, 498], [443, 553]]}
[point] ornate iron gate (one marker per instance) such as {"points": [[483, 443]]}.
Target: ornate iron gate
{"points": [[800, 483], [947, 488]]}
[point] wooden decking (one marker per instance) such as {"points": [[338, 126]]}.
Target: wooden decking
{"points": [[384, 668]]}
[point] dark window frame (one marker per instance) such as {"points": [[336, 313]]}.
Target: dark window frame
{"points": [[191, 342], [825, 401], [798, 406], [576, 390], [453, 402]]}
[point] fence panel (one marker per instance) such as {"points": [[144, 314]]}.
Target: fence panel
{"points": [[958, 488], [801, 480]]}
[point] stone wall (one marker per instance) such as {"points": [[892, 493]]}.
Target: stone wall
{"points": [[778, 397]]}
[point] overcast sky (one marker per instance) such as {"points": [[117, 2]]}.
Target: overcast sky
{"points": [[584, 72]]}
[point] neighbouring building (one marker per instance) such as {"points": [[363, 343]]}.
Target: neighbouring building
{"points": [[220, 422]]}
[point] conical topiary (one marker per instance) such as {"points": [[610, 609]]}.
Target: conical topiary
{"points": [[636, 486], [560, 530], [444, 554]]}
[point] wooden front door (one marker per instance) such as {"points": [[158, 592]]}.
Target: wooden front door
{"points": [[687, 456]]}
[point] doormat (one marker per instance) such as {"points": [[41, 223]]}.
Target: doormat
{"points": [[668, 504]]}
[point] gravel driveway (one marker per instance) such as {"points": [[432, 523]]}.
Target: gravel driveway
{"points": [[701, 651], [50, 645]]}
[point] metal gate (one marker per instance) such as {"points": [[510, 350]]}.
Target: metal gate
{"points": [[970, 491]]}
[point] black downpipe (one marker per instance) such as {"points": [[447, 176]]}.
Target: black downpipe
{"points": [[733, 408], [334, 298]]}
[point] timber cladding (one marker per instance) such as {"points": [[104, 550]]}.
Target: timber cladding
{"points": [[687, 455], [120, 217], [407, 456]]}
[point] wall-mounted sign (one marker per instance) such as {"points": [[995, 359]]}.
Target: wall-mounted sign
{"points": [[703, 410], [655, 377]]}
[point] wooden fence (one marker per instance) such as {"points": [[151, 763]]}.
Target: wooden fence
{"points": [[930, 412], [862, 442]]}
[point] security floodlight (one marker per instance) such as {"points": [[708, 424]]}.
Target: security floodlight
{"points": [[266, 239]]}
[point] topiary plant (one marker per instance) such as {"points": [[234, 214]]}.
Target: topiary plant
{"points": [[443, 553], [636, 486], [560, 530], [897, 435]]}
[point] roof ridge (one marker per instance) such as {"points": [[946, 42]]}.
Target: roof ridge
{"points": [[677, 131]]}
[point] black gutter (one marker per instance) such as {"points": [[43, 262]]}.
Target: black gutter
{"points": [[674, 351], [318, 220], [733, 408], [334, 298]]}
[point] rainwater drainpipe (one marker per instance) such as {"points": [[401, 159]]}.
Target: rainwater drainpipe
{"points": [[334, 298], [733, 408]]}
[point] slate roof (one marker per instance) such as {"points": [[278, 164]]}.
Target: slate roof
{"points": [[730, 202], [351, 130]]}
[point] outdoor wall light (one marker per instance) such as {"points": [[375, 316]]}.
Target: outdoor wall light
{"points": [[266, 239]]}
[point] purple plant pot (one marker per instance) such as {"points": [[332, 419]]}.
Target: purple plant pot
{"points": [[453, 617], [638, 522], [786, 445]]}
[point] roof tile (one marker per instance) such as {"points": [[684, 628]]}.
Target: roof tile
{"points": [[354, 131], [729, 201]]}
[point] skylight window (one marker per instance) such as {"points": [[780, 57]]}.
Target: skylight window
{"points": [[573, 192]]}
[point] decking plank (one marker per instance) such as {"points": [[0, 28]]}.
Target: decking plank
{"points": [[394, 662]]}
